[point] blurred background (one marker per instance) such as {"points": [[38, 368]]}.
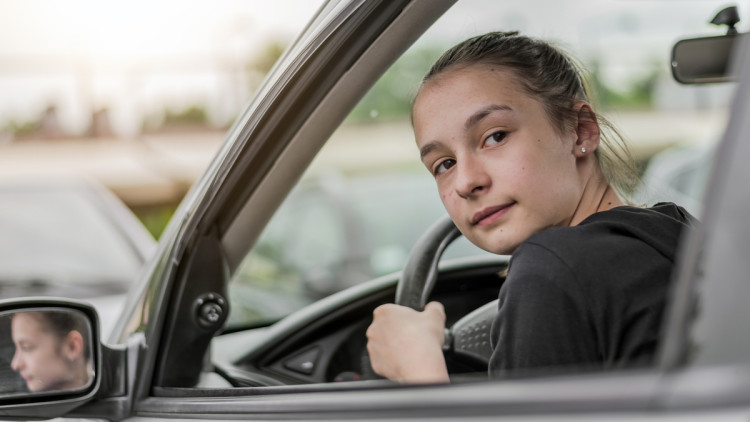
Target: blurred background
{"points": [[110, 110], [137, 95], [134, 95]]}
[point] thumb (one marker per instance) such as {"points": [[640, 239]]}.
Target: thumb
{"points": [[436, 309]]}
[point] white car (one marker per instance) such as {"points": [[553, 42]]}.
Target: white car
{"points": [[70, 239]]}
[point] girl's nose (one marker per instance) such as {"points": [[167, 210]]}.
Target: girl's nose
{"points": [[16, 363], [471, 178]]}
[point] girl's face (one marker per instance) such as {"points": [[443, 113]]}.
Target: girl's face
{"points": [[44, 361], [502, 169]]}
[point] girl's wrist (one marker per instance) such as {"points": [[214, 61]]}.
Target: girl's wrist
{"points": [[428, 371]]}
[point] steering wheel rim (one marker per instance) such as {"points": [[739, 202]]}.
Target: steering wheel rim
{"points": [[469, 337], [420, 272]]}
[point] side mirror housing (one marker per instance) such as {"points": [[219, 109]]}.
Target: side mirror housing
{"points": [[50, 358]]}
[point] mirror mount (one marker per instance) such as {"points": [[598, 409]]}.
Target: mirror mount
{"points": [[727, 16]]}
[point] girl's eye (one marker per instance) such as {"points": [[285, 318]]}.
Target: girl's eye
{"points": [[495, 138], [444, 166]]}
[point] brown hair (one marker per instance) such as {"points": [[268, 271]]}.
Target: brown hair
{"points": [[61, 323], [554, 79]]}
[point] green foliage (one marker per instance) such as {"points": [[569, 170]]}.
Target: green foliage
{"points": [[193, 115], [391, 97], [23, 128], [638, 93], [155, 218], [190, 118], [267, 58]]}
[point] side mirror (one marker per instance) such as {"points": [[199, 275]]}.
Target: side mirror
{"points": [[50, 357]]}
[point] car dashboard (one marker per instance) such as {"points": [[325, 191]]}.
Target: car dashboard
{"points": [[326, 342]]}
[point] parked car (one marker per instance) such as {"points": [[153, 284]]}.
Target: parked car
{"points": [[169, 358], [70, 239], [678, 174]]}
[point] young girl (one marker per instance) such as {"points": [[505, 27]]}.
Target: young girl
{"points": [[504, 124], [52, 350]]}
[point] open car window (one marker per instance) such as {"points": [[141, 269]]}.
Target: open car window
{"points": [[366, 198], [352, 218]]}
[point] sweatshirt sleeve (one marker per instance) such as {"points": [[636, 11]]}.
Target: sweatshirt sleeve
{"points": [[542, 324]]}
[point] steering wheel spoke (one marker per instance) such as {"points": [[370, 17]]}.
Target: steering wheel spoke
{"points": [[469, 337]]}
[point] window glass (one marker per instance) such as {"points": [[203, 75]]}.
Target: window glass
{"points": [[367, 197]]}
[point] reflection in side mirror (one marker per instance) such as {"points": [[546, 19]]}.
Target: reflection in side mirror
{"points": [[45, 350], [704, 60]]}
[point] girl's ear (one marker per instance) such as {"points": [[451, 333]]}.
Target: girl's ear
{"points": [[73, 347], [587, 130]]}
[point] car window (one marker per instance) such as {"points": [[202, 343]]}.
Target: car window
{"points": [[355, 215], [346, 222]]}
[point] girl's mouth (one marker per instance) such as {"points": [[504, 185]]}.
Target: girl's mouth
{"points": [[489, 215]]}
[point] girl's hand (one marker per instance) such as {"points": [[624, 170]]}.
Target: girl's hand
{"points": [[406, 345]]}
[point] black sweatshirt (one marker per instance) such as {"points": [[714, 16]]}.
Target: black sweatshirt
{"points": [[590, 296]]}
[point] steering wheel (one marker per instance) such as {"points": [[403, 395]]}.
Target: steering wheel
{"points": [[469, 337]]}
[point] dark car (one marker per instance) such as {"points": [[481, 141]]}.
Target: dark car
{"points": [[172, 356]]}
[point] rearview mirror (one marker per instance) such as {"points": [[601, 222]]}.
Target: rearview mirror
{"points": [[708, 59], [45, 350], [705, 60]]}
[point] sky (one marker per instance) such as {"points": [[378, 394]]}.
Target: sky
{"points": [[137, 57], [52, 51]]}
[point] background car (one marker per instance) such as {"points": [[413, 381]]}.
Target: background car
{"points": [[679, 175], [70, 239]]}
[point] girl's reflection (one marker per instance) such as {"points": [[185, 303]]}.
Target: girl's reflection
{"points": [[52, 350]]}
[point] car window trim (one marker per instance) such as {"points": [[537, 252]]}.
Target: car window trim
{"points": [[620, 392]]}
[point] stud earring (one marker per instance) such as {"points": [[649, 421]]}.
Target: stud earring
{"points": [[583, 150]]}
